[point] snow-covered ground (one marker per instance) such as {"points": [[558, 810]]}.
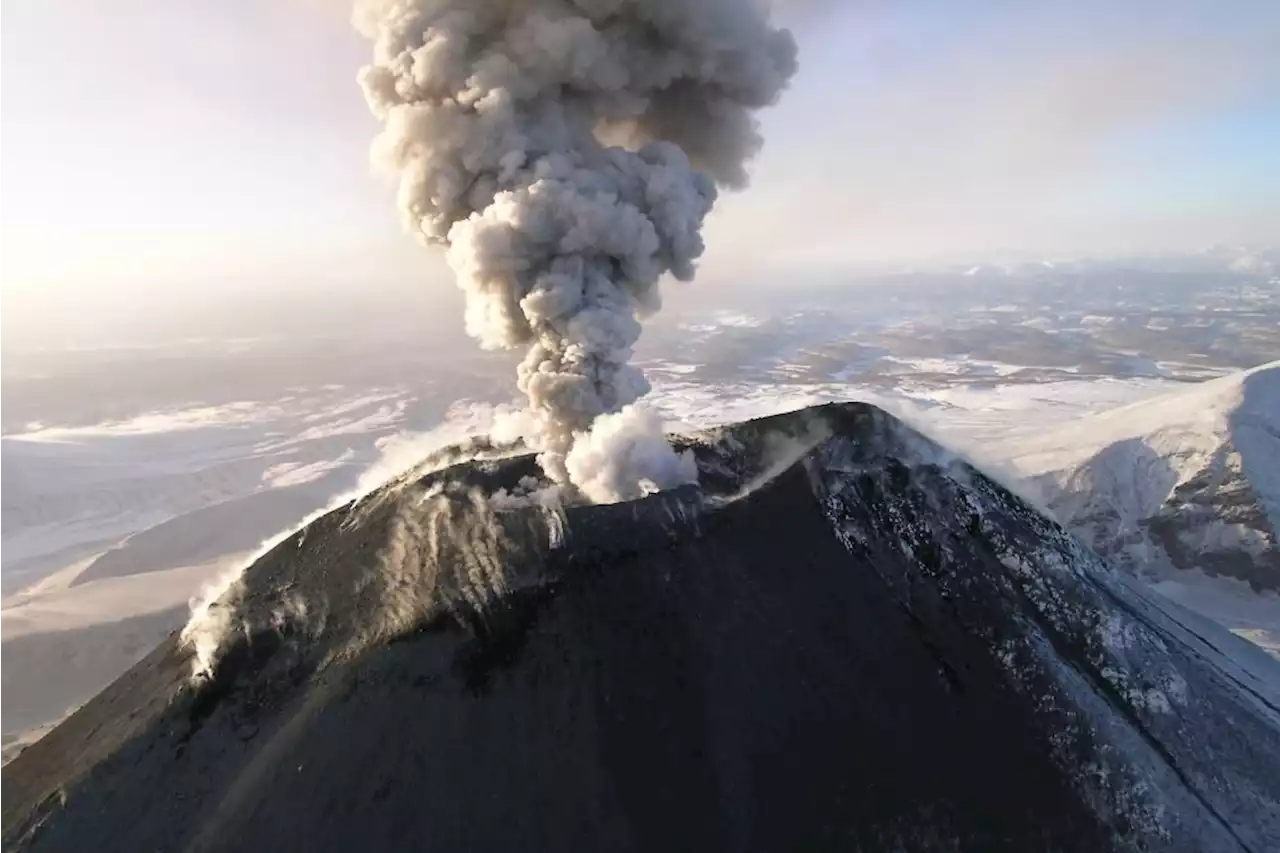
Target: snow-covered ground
{"points": [[56, 605], [1182, 489], [75, 491], [63, 642], [1246, 612]]}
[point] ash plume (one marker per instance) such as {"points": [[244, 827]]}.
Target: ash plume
{"points": [[566, 152]]}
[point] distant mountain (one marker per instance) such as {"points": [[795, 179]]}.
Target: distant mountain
{"points": [[1185, 481], [843, 639], [1247, 260]]}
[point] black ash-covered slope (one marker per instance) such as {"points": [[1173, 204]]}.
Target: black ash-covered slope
{"points": [[846, 639]]}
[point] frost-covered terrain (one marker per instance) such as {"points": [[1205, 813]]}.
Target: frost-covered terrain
{"points": [[74, 490], [1182, 489]]}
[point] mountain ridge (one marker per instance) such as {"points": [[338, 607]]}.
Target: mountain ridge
{"points": [[1188, 480]]}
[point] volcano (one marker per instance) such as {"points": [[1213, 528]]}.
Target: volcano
{"points": [[844, 638]]}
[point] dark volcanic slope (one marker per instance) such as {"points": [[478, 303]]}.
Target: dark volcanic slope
{"points": [[846, 640]]}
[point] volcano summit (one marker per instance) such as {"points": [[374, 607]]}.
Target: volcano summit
{"points": [[843, 638]]}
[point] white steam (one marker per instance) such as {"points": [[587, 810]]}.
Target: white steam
{"points": [[626, 456], [566, 152], [213, 618]]}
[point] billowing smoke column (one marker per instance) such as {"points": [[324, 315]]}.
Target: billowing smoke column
{"points": [[566, 152]]}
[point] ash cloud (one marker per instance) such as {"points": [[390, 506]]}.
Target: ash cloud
{"points": [[566, 152]]}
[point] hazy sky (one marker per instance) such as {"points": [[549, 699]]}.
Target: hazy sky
{"points": [[165, 150]]}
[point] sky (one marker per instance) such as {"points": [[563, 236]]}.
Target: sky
{"points": [[184, 153]]}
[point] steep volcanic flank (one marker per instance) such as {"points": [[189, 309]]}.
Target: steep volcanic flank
{"points": [[844, 639]]}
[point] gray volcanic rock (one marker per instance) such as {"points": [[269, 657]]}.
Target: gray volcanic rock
{"points": [[843, 639]]}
